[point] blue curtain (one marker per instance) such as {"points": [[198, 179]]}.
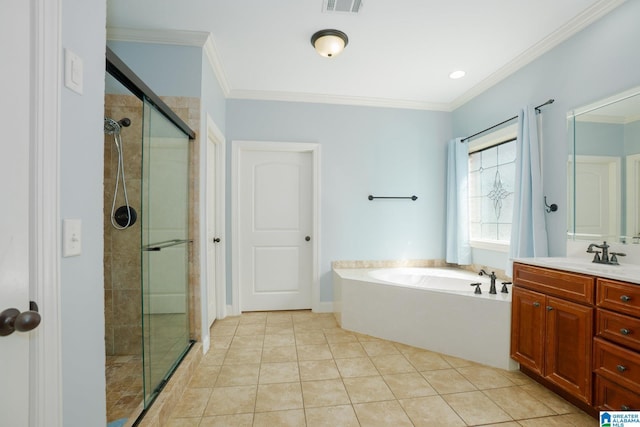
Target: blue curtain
{"points": [[528, 228], [458, 249]]}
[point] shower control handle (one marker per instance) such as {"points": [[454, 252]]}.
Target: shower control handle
{"points": [[216, 240]]}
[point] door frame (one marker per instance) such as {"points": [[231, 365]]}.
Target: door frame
{"points": [[45, 360], [215, 135], [632, 174], [237, 147]]}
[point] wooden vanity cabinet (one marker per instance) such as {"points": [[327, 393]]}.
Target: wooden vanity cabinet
{"points": [[552, 327], [617, 346]]}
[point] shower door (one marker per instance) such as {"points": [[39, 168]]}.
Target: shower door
{"points": [[165, 248]]}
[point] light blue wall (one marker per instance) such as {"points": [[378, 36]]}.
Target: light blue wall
{"points": [[599, 61], [169, 70], [81, 277], [632, 138], [364, 150], [599, 139]]}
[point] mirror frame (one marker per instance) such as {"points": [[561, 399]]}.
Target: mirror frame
{"points": [[618, 237]]}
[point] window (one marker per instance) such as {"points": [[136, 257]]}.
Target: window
{"points": [[491, 185]]}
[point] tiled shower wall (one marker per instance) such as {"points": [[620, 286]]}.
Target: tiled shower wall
{"points": [[122, 261]]}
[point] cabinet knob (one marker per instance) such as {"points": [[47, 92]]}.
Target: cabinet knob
{"points": [[621, 368], [625, 407], [625, 331], [549, 308], [625, 298], [536, 304]]}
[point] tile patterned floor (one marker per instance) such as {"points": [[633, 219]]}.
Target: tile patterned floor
{"points": [[166, 336], [299, 369], [124, 386]]}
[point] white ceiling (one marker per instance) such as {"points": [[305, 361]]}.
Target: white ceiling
{"points": [[400, 52]]}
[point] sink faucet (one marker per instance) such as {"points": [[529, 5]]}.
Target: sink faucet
{"points": [[492, 276], [604, 259]]}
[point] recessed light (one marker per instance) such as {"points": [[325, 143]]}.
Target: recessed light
{"points": [[457, 74]]}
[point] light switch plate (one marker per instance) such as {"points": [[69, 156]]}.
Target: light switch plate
{"points": [[73, 71], [71, 237]]}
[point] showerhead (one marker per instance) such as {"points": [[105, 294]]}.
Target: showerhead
{"points": [[111, 127]]}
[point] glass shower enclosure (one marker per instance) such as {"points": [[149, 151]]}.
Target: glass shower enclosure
{"points": [[165, 247], [146, 262]]}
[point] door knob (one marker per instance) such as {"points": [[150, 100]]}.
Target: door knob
{"points": [[216, 240], [12, 320]]}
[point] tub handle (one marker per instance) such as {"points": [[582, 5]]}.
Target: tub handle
{"points": [[504, 287], [478, 290]]}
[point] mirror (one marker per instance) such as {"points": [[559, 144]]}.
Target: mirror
{"points": [[603, 178]]}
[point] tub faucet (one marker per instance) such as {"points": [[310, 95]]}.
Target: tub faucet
{"points": [[492, 276]]}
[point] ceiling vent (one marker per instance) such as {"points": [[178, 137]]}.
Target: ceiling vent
{"points": [[352, 6]]}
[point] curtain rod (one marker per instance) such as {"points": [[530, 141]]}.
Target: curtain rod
{"points": [[551, 101]]}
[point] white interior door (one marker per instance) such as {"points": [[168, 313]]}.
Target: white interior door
{"points": [[597, 187], [213, 240], [15, 24], [275, 209]]}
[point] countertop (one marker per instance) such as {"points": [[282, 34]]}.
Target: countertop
{"points": [[623, 272]]}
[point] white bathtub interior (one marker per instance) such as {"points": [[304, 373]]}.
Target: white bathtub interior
{"points": [[447, 317]]}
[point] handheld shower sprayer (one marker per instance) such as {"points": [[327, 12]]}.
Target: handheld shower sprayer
{"points": [[125, 216]]}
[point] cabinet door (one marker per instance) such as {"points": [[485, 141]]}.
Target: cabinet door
{"points": [[568, 347], [528, 328]]}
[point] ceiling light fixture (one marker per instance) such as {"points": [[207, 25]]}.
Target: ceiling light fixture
{"points": [[457, 74], [329, 43]]}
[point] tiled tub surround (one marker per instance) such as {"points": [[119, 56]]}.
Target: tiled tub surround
{"points": [[461, 324], [122, 260], [300, 369]]}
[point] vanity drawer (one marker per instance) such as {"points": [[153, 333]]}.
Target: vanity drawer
{"points": [[571, 286], [612, 397], [619, 296], [619, 328], [616, 363]]}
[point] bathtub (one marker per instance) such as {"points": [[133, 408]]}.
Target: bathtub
{"points": [[430, 308]]}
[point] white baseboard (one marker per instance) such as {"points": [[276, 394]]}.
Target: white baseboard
{"points": [[206, 343], [324, 307]]}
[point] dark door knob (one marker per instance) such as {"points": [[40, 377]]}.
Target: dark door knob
{"points": [[307, 238], [216, 240], [12, 320]]}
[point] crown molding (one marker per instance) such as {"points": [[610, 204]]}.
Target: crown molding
{"points": [[211, 52], [581, 21], [336, 99], [174, 37], [201, 39], [205, 40]]}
